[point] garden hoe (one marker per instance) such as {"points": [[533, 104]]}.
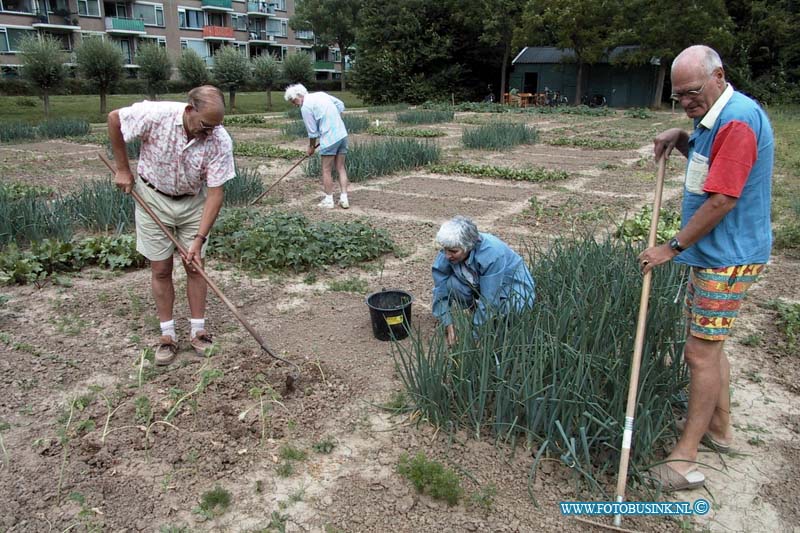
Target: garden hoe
{"points": [[641, 322], [292, 378], [263, 194]]}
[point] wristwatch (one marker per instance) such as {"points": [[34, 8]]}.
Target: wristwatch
{"points": [[675, 245]]}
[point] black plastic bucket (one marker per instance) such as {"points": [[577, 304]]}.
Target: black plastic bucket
{"points": [[390, 311]]}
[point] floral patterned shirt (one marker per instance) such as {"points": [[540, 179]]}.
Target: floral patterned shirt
{"points": [[168, 159]]}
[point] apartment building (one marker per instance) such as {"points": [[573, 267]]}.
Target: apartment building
{"points": [[255, 27]]}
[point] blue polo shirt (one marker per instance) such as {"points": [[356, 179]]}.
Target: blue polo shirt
{"points": [[731, 151]]}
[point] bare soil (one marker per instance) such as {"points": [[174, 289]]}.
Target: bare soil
{"points": [[109, 470]]}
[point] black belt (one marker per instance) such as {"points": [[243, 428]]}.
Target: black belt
{"points": [[173, 196]]}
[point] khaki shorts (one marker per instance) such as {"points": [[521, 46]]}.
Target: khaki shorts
{"points": [[182, 217]]}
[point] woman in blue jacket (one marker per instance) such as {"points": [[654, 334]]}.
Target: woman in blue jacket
{"points": [[477, 270]]}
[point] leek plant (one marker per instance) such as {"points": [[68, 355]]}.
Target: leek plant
{"points": [[498, 136], [556, 377], [425, 116], [365, 161]]}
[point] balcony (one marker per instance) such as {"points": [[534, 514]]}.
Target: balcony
{"points": [[217, 5], [260, 36], [217, 33], [124, 26], [263, 9], [304, 35], [56, 23], [323, 65]]}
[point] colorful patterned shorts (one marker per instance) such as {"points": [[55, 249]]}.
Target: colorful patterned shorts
{"points": [[713, 298]]}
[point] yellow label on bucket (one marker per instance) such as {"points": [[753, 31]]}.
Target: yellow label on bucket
{"points": [[394, 320]]}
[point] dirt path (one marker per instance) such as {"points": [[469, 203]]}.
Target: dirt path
{"points": [[58, 341]]}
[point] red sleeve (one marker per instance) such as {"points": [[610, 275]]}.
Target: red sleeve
{"points": [[732, 157]]}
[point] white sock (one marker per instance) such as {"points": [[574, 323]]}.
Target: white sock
{"points": [[197, 325], [343, 197], [168, 328]]}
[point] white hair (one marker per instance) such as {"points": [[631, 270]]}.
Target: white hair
{"points": [[458, 232], [708, 56], [293, 91]]}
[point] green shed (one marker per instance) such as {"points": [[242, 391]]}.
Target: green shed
{"points": [[542, 68]]}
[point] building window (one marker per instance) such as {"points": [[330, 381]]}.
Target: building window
{"points": [[279, 28], [190, 18], [280, 5], [160, 41], [18, 6], [11, 37], [151, 14], [197, 45], [239, 22], [89, 8]]}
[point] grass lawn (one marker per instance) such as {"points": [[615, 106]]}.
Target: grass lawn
{"points": [[18, 108]]}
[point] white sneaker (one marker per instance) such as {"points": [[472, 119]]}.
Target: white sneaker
{"points": [[326, 203], [343, 203]]}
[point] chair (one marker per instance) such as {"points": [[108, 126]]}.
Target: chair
{"points": [[525, 99]]}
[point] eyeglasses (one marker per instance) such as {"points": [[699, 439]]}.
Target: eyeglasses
{"points": [[691, 93]]}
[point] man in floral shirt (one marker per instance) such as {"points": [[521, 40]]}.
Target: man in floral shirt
{"points": [[186, 157]]}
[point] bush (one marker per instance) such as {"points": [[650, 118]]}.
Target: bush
{"points": [[375, 159], [557, 376], [498, 136], [192, 68], [298, 68]]}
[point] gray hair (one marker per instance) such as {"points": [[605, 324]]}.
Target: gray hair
{"points": [[458, 232], [206, 95], [709, 58], [293, 91]]}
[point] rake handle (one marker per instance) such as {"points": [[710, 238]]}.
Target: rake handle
{"points": [[263, 194], [199, 267], [638, 345]]}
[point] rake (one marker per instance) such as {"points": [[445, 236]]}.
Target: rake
{"points": [[292, 378], [263, 194], [638, 345]]}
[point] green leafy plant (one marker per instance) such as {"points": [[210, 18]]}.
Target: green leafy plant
{"points": [[490, 171], [13, 190], [639, 112], [248, 120], [354, 284], [214, 502], [324, 445], [206, 377], [592, 143], [403, 132], [255, 149], [484, 498], [290, 453], [638, 228], [280, 241], [431, 477]]}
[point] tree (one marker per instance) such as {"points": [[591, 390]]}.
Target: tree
{"points": [[192, 68], [100, 62], [267, 72], [499, 20], [155, 67], [297, 68], [411, 51], [231, 70], [332, 21], [663, 30], [585, 26], [43, 65]]}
